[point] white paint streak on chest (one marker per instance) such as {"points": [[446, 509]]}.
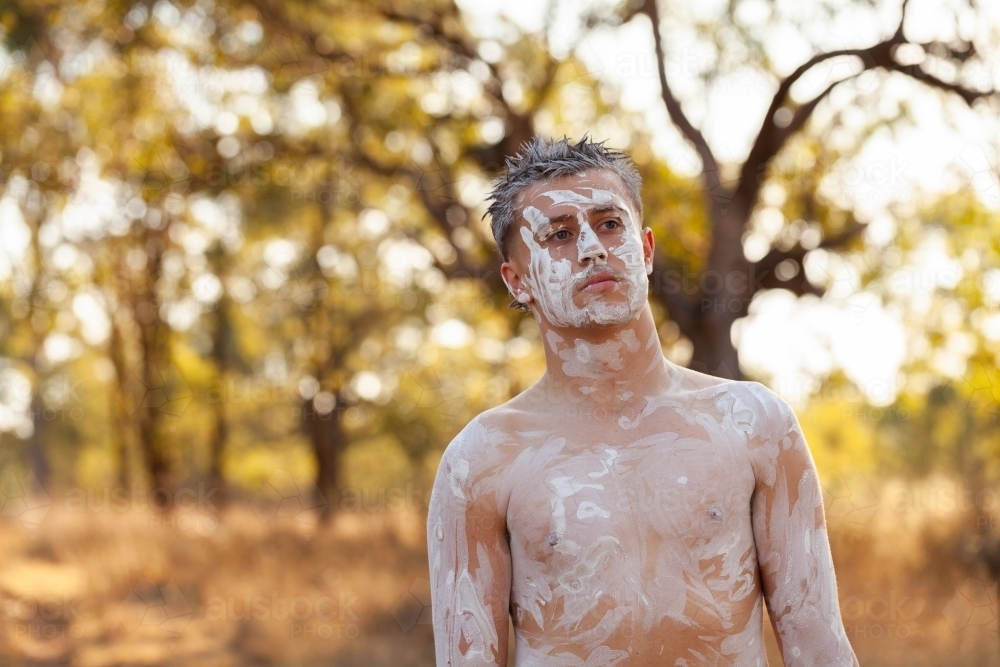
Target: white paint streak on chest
{"points": [[564, 488], [607, 463], [573, 581], [653, 403], [588, 509]]}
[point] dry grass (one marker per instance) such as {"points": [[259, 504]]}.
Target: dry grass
{"points": [[96, 590], [133, 588]]}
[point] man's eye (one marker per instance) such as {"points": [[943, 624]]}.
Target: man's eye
{"points": [[561, 235], [612, 224]]}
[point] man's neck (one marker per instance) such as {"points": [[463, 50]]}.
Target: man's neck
{"points": [[604, 370]]}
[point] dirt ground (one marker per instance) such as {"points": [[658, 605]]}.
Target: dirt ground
{"points": [[240, 587]]}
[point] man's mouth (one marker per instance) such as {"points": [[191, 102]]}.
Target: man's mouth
{"points": [[600, 281]]}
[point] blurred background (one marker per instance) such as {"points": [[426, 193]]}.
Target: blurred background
{"points": [[247, 296]]}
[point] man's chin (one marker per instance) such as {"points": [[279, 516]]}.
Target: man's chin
{"points": [[608, 314]]}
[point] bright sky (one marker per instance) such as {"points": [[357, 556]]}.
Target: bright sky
{"points": [[795, 341]]}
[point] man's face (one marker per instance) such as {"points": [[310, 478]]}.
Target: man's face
{"points": [[579, 252]]}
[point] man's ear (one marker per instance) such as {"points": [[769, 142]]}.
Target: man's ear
{"points": [[648, 244], [513, 278]]}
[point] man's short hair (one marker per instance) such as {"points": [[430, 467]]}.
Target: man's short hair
{"points": [[540, 159]]}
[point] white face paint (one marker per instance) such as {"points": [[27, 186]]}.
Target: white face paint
{"points": [[553, 283]]}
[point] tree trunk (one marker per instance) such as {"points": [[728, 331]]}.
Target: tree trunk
{"points": [[121, 405], [328, 441], [723, 293], [154, 343], [38, 324], [37, 458], [221, 341], [220, 433], [714, 352]]}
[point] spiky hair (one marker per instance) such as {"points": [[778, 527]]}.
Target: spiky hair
{"points": [[539, 160]]}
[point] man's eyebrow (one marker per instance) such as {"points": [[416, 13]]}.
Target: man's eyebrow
{"points": [[599, 208], [609, 208]]}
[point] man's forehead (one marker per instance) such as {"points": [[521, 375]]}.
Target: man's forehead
{"points": [[596, 186]]}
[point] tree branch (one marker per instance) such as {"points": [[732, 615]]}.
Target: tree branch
{"points": [[772, 137], [798, 284], [915, 72], [710, 167], [465, 265]]}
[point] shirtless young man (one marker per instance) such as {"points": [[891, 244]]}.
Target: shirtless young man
{"points": [[622, 510]]}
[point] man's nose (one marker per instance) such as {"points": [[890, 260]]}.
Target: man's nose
{"points": [[589, 247]]}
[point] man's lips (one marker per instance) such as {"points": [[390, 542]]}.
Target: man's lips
{"points": [[600, 281]]}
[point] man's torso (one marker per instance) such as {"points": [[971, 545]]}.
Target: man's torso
{"points": [[630, 537]]}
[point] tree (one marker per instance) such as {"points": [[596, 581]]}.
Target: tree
{"points": [[726, 280], [272, 162], [730, 205]]}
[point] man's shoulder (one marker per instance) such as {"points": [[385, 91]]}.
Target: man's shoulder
{"points": [[688, 379], [771, 427], [499, 424], [757, 409], [770, 414], [769, 406], [763, 397], [478, 460], [487, 437]]}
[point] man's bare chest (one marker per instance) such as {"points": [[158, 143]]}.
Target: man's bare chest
{"points": [[681, 487], [659, 525]]}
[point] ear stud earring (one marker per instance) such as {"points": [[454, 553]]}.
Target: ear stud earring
{"points": [[523, 297]]}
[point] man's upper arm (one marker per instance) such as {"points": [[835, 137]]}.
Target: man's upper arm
{"points": [[469, 553], [792, 545]]}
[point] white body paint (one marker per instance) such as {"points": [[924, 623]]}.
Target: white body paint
{"points": [[469, 602], [614, 548], [626, 511]]}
